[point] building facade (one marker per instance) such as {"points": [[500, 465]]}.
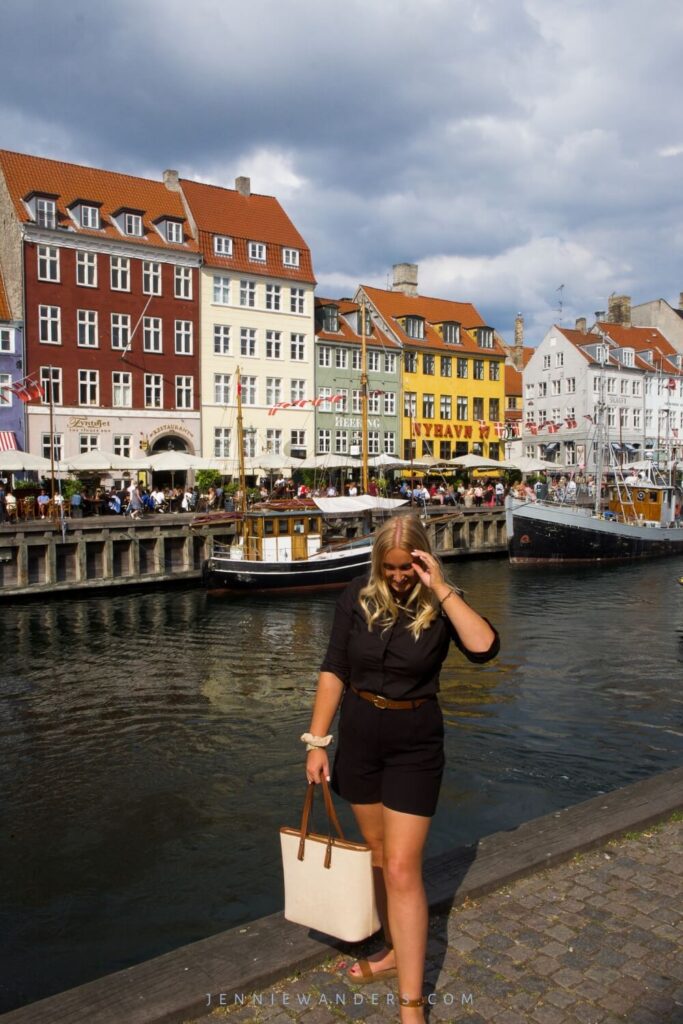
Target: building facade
{"points": [[104, 268], [338, 368], [12, 417], [257, 318], [452, 371]]}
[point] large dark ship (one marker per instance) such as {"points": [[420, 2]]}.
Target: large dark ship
{"points": [[640, 520]]}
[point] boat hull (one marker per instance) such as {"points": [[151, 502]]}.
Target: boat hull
{"points": [[239, 576], [540, 533]]}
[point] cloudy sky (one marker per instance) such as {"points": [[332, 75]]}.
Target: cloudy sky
{"points": [[509, 147]]}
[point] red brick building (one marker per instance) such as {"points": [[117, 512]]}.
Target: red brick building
{"points": [[103, 269]]}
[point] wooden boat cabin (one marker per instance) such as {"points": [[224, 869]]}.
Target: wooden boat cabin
{"points": [[278, 537], [643, 502]]}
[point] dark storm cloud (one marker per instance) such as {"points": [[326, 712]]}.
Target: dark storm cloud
{"points": [[508, 146]]}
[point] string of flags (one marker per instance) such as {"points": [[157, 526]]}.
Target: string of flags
{"points": [[26, 389]]}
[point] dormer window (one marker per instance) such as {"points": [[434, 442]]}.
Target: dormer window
{"points": [[451, 333], [90, 217], [46, 213], [132, 224], [485, 337], [290, 257], [628, 357], [330, 318], [174, 231], [415, 327], [222, 245], [257, 252], [601, 354]]}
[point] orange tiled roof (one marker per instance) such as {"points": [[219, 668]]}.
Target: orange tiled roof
{"points": [[108, 189], [252, 218], [4, 304], [346, 333], [513, 380], [527, 353], [393, 305], [647, 339]]}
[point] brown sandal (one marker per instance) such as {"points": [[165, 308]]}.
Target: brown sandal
{"points": [[367, 975]]}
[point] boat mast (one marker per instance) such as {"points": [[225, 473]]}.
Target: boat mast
{"points": [[363, 399], [600, 434], [240, 445]]}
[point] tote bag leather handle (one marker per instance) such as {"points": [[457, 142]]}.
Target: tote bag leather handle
{"points": [[333, 820]]}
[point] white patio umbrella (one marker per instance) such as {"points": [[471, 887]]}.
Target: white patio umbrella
{"points": [[270, 461], [97, 461], [15, 461], [525, 464], [385, 461], [329, 461], [179, 461], [471, 461]]}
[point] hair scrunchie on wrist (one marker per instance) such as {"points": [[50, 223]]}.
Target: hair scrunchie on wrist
{"points": [[315, 742]]}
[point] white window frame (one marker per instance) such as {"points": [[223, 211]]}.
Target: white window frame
{"points": [[390, 442], [151, 277], [154, 390], [341, 358], [7, 340], [221, 340], [182, 283], [273, 344], [389, 403], [248, 294], [120, 330], [57, 446], [89, 217], [297, 438], [51, 380], [88, 387], [121, 445], [184, 385], [273, 390], [297, 389], [222, 245], [324, 355], [249, 392], [291, 257], [86, 269], [152, 335], [297, 347], [373, 361], [183, 334], [48, 263], [324, 441], [222, 442], [46, 212], [341, 442], [222, 388], [132, 225], [274, 297], [390, 362], [6, 396], [50, 325], [119, 273], [87, 328], [248, 343], [121, 389], [297, 299], [274, 440], [257, 252], [221, 290], [174, 232]]}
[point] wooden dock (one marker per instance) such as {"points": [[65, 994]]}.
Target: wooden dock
{"points": [[39, 558]]}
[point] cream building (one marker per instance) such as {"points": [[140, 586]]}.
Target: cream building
{"points": [[256, 317]]}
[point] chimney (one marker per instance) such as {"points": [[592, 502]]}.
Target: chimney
{"points": [[172, 181], [243, 185], [680, 301], [620, 310], [600, 315], [405, 278], [581, 324], [518, 349]]}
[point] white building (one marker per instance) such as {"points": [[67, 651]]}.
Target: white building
{"points": [[633, 369]]}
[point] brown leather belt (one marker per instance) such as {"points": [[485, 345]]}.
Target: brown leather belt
{"points": [[383, 702]]}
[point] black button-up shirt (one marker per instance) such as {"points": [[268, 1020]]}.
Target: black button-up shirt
{"points": [[390, 661]]}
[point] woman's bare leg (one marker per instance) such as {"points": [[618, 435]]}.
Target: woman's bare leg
{"points": [[404, 839], [370, 819]]}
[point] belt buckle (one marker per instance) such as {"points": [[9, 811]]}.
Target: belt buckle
{"points": [[380, 702]]}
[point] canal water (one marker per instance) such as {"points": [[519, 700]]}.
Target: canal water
{"points": [[151, 753]]}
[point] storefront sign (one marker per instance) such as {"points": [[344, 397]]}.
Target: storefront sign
{"points": [[84, 423]]}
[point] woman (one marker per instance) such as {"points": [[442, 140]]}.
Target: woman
{"points": [[390, 636]]}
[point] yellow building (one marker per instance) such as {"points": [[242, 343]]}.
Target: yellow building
{"points": [[453, 380]]}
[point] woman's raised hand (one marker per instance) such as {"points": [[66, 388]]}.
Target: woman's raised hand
{"points": [[428, 569]]}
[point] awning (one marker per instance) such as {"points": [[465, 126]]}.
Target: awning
{"points": [[8, 441]]}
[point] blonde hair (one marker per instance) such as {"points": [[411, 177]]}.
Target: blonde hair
{"points": [[376, 598]]}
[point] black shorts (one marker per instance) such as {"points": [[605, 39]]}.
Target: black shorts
{"points": [[394, 757]]}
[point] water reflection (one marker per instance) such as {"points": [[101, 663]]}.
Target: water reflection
{"points": [[151, 747]]}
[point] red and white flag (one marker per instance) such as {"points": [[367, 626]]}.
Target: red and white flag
{"points": [[25, 389]]}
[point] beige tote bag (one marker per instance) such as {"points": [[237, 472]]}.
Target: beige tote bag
{"points": [[328, 880]]}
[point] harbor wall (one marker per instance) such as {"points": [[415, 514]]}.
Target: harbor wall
{"points": [[44, 558]]}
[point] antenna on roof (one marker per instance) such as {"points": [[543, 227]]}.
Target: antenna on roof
{"points": [[560, 304]]}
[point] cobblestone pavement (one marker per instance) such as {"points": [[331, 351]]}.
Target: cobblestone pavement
{"points": [[597, 940]]}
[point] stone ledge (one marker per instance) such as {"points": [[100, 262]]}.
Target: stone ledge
{"points": [[172, 988]]}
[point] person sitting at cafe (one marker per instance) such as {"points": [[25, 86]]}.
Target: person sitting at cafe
{"points": [[43, 500], [114, 502], [10, 507], [77, 504]]}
